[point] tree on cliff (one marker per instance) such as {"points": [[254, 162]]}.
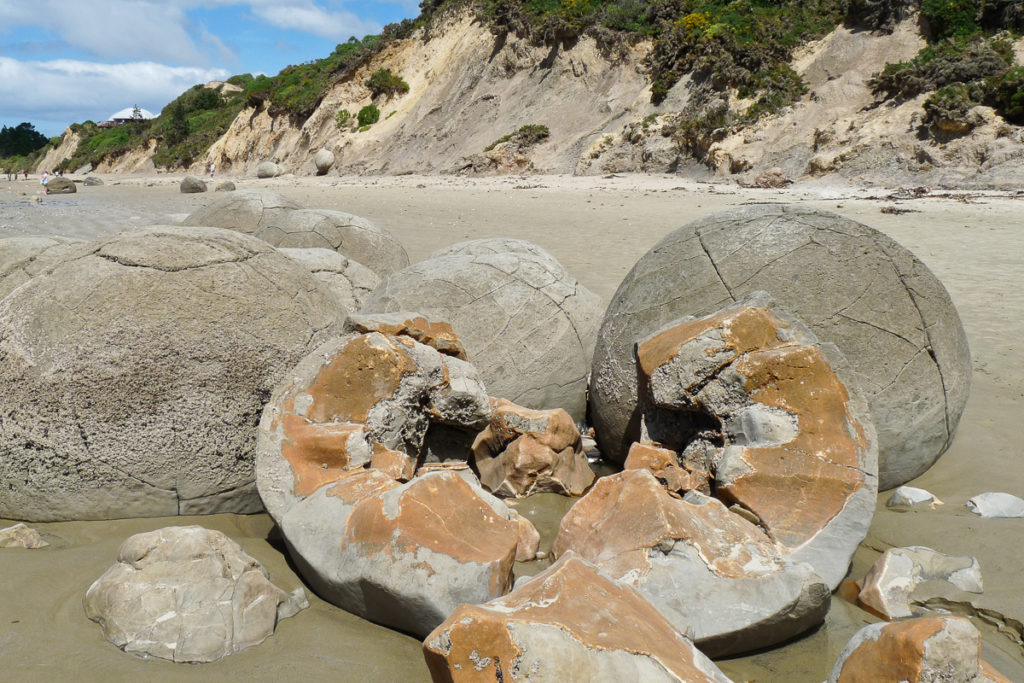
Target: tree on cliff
{"points": [[21, 140]]}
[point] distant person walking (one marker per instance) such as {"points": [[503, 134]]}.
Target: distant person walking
{"points": [[44, 181], [26, 174]]}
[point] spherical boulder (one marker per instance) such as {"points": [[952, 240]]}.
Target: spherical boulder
{"points": [[133, 373], [348, 281], [268, 169], [528, 326], [323, 161], [850, 284], [355, 237], [244, 211], [190, 184]]}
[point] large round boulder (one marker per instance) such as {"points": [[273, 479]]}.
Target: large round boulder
{"points": [[60, 185], [133, 373], [323, 161], [22, 258], [268, 169], [355, 237], [244, 211], [528, 326], [190, 184], [850, 284]]}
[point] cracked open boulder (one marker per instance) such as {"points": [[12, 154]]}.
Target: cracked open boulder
{"points": [[568, 623], [750, 407], [528, 326], [133, 373], [850, 284]]}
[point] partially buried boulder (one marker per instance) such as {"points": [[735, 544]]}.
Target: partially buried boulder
{"points": [[348, 281], [92, 181], [850, 284], [528, 326], [225, 186], [568, 623], [60, 185], [268, 169], [524, 451], [243, 211], [21, 536], [923, 650], [187, 594], [355, 237], [190, 184], [133, 372]]}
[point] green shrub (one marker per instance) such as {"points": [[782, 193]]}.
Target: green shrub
{"points": [[368, 116], [952, 18], [527, 136], [384, 82], [341, 119], [948, 62], [1009, 95]]}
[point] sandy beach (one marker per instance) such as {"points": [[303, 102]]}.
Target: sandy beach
{"points": [[597, 227]]}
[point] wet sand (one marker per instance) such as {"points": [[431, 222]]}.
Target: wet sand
{"points": [[597, 227]]}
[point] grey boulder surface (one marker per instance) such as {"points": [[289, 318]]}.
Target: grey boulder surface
{"points": [[355, 237], [528, 326], [225, 186], [61, 185], [243, 211], [134, 371], [187, 594], [850, 284], [350, 282], [22, 258], [268, 169], [323, 160], [190, 184], [92, 181]]}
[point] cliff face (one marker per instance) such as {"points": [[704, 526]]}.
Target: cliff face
{"points": [[469, 88]]}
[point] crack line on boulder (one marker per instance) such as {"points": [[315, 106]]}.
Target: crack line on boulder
{"points": [[700, 240]]}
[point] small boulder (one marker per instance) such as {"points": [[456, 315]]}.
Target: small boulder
{"points": [[524, 451], [225, 186], [323, 161], [61, 185], [568, 623], [909, 497], [190, 184], [187, 594], [890, 587], [92, 181], [268, 169], [348, 281], [926, 650], [21, 536], [996, 504]]}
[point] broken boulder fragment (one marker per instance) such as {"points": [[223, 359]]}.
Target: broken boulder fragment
{"points": [[996, 504], [524, 451], [906, 497], [891, 586], [568, 623], [21, 536], [187, 594]]}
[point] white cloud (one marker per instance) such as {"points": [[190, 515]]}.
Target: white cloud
{"points": [[310, 18], [68, 90]]}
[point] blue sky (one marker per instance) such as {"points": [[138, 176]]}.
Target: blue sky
{"points": [[67, 61]]}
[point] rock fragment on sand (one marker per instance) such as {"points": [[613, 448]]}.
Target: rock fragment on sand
{"points": [[190, 184], [890, 587], [996, 504], [568, 623], [404, 555], [910, 496], [527, 324], [323, 160], [21, 536], [348, 281], [187, 594], [524, 451], [664, 464], [139, 395], [852, 285], [923, 650], [691, 557]]}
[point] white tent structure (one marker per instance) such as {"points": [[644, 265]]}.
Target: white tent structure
{"points": [[131, 114]]}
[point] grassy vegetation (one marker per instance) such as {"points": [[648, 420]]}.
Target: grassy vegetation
{"points": [[368, 116], [527, 136], [384, 82]]}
